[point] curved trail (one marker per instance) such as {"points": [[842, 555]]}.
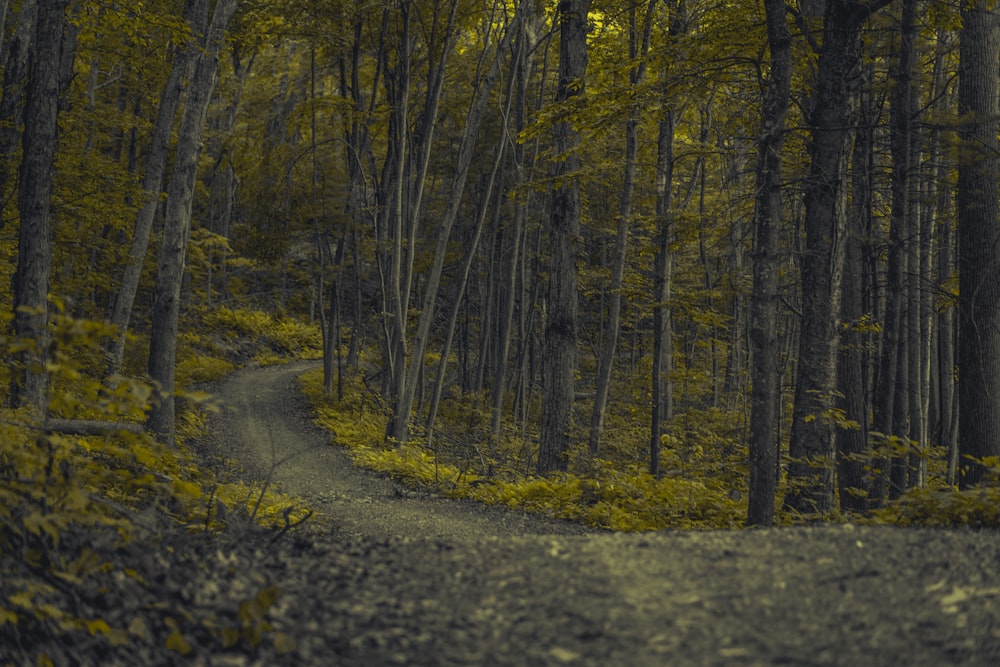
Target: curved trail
{"points": [[417, 580], [269, 422]]}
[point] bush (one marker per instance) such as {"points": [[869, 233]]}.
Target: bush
{"points": [[944, 508], [88, 524]]}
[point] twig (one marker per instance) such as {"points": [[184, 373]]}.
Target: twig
{"points": [[289, 524]]}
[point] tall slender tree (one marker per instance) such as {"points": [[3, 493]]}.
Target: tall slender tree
{"points": [[34, 200], [639, 38], [399, 426], [560, 346], [765, 385], [177, 223], [979, 243], [152, 185], [812, 452]]}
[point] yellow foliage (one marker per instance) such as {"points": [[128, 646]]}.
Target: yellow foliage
{"points": [[944, 508], [612, 495]]}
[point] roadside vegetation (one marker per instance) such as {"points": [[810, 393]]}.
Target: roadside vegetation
{"points": [[114, 545], [117, 549], [700, 491]]}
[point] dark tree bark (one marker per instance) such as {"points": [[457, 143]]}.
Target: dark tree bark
{"points": [[663, 260], [811, 491], [399, 426], [979, 244], [34, 249], [902, 224], [152, 186], [765, 395], [15, 68], [853, 449], [560, 347], [177, 225]]}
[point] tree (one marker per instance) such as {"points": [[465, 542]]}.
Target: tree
{"points": [[812, 451], [979, 243], [853, 439], [152, 185], [560, 348], [15, 66], [399, 427], [177, 223], [34, 258], [638, 52], [765, 394]]}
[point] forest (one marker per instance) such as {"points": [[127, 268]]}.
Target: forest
{"points": [[643, 264]]}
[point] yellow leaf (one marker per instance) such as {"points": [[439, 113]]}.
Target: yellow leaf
{"points": [[118, 637], [187, 488], [230, 636], [97, 626], [177, 643], [138, 627], [7, 616]]}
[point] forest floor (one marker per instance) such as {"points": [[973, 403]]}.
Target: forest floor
{"points": [[387, 575]]}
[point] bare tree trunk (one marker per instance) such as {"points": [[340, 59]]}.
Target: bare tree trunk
{"points": [[406, 187], [15, 71], [638, 49], [462, 283], [979, 244], [765, 372], [560, 353], [853, 450], [152, 185], [811, 491], [177, 225], [34, 247], [946, 430], [663, 345], [520, 71], [399, 425]]}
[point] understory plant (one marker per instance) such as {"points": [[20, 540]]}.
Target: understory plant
{"points": [[603, 493], [93, 528]]}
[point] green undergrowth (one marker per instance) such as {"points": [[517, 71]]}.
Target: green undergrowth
{"points": [[112, 545], [612, 495], [265, 338], [944, 508]]}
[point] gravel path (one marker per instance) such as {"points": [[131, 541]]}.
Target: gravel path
{"points": [[407, 578]]}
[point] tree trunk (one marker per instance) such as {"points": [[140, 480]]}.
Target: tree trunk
{"points": [[638, 50], [408, 164], [34, 249], [177, 225], [399, 425], [902, 109], [765, 372], [560, 351], [853, 451], [15, 70], [152, 186], [812, 452], [979, 245], [461, 286], [663, 260]]}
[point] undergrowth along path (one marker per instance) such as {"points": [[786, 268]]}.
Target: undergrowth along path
{"points": [[408, 578], [265, 424]]}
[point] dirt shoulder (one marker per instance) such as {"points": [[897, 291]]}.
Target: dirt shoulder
{"points": [[412, 579]]}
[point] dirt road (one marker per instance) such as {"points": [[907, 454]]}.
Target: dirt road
{"points": [[407, 578]]}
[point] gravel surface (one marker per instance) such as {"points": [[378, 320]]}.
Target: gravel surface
{"points": [[410, 579]]}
